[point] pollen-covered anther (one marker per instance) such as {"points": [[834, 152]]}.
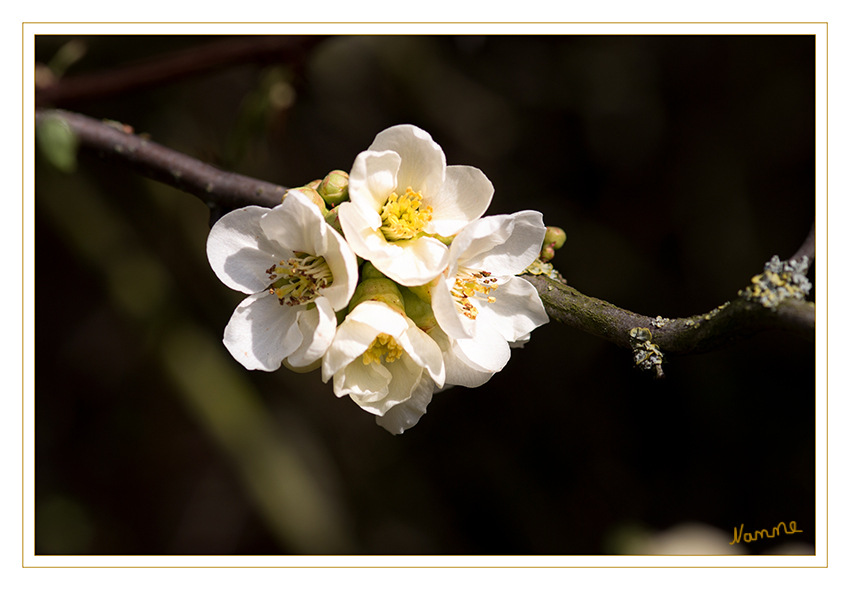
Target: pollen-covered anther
{"points": [[383, 347], [297, 280], [404, 217], [473, 285]]}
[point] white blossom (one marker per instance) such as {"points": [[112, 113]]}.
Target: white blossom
{"points": [[402, 196], [382, 361], [482, 308], [297, 271]]}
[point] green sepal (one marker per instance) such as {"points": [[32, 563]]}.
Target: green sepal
{"points": [[383, 290], [418, 310]]}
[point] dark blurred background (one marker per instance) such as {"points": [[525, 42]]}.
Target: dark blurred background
{"points": [[678, 165]]}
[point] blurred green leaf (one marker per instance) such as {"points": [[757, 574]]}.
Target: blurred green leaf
{"points": [[67, 55], [58, 143]]}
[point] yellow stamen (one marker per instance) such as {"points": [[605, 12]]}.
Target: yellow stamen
{"points": [[297, 280], [383, 347], [404, 217], [471, 285]]}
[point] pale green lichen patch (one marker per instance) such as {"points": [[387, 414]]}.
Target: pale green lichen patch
{"points": [[538, 267], [648, 356], [715, 311], [779, 281], [659, 322], [694, 321]]}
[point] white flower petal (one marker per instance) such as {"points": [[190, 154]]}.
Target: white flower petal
{"points": [[373, 178], [381, 317], [343, 264], [466, 194], [516, 311], [424, 351], [365, 384], [518, 239], [455, 324], [378, 387], [239, 252], [406, 377], [478, 238], [351, 340], [317, 327], [459, 369], [406, 415], [261, 332], [487, 350], [521, 341], [296, 224], [361, 227], [414, 262], [499, 244], [423, 163]]}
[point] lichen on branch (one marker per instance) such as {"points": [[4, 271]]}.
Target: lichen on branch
{"points": [[728, 323]]}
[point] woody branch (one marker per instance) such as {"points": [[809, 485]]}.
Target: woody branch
{"points": [[71, 90], [223, 191]]}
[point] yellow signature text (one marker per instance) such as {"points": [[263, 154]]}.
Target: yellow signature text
{"points": [[737, 536]]}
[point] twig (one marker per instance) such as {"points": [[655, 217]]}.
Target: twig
{"points": [[175, 66], [221, 190], [728, 323]]}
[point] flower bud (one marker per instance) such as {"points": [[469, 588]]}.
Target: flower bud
{"points": [[555, 237], [334, 188], [368, 271], [423, 292], [311, 195], [332, 219], [547, 253], [383, 290]]}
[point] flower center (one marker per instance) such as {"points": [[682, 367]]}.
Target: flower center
{"points": [[471, 285], [404, 217], [384, 346], [298, 279]]}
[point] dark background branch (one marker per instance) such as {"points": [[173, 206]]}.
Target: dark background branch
{"points": [[172, 67]]}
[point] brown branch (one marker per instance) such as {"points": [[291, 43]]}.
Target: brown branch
{"points": [[724, 325], [223, 191], [175, 66], [220, 190]]}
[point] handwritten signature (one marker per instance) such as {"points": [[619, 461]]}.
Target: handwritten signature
{"points": [[750, 537]]}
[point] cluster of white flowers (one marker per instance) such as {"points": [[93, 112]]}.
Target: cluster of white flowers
{"points": [[436, 301]]}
